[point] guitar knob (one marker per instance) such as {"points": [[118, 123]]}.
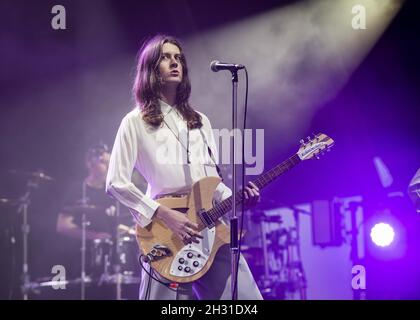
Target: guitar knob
{"points": [[181, 260], [195, 263], [187, 269], [180, 268], [189, 255]]}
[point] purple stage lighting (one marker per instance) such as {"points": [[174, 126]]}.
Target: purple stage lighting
{"points": [[382, 234]]}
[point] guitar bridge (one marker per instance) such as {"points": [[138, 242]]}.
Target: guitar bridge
{"points": [[158, 252]]}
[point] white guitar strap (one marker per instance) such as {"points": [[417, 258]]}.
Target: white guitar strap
{"points": [[219, 172]]}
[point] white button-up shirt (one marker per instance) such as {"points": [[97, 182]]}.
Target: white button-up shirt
{"points": [[160, 155]]}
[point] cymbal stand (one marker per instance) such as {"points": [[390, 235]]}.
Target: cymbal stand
{"points": [[85, 223], [23, 208]]}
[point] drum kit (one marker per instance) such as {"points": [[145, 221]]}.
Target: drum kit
{"points": [[104, 261], [113, 261]]}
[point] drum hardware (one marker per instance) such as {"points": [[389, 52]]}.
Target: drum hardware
{"points": [[278, 258], [116, 265], [33, 181], [36, 176]]}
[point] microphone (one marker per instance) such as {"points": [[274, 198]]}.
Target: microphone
{"points": [[216, 66]]}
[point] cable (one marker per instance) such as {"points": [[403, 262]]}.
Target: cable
{"points": [[148, 289], [149, 279], [243, 183], [168, 285]]}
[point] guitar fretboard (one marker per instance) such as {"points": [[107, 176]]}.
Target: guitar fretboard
{"points": [[264, 179]]}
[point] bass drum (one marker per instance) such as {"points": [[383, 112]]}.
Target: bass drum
{"points": [[100, 258], [127, 259]]}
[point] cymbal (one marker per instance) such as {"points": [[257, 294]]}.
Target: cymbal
{"points": [[46, 281], [83, 208], [123, 229], [37, 174], [9, 202]]}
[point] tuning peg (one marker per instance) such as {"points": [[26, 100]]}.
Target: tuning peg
{"points": [[302, 141], [309, 138]]}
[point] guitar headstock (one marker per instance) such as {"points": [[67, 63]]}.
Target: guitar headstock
{"points": [[314, 147]]}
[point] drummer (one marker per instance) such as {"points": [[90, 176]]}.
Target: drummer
{"points": [[90, 191], [88, 196]]}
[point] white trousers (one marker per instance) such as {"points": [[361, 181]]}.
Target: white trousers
{"points": [[214, 285]]}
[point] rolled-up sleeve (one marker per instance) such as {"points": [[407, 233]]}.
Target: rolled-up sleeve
{"points": [[118, 180]]}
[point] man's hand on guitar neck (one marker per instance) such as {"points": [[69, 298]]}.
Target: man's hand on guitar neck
{"points": [[252, 195], [179, 223]]}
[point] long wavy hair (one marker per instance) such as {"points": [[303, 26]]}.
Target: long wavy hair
{"points": [[147, 84]]}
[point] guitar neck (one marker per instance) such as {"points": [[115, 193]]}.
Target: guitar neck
{"points": [[262, 180]]}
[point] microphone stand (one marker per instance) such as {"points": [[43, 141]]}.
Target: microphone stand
{"points": [[234, 245]]}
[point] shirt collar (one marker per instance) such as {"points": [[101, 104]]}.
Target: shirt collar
{"points": [[166, 108]]}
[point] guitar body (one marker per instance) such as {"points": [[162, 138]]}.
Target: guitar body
{"points": [[157, 234]]}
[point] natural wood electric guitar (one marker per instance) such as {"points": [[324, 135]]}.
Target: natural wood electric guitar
{"points": [[180, 262]]}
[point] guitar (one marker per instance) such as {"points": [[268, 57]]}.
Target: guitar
{"points": [[180, 262]]}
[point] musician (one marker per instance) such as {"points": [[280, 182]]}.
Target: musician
{"points": [[151, 138], [91, 191], [103, 225]]}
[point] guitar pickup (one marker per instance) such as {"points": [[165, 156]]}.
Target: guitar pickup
{"points": [[206, 219]]}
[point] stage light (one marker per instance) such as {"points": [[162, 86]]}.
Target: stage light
{"points": [[299, 56], [382, 234]]}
